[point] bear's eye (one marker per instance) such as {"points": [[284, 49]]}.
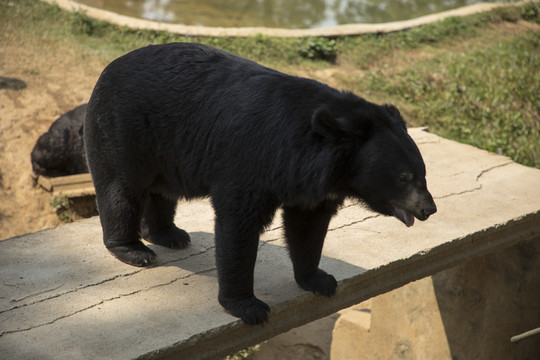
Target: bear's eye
{"points": [[404, 178]]}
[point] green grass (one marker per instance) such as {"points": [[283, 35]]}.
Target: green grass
{"points": [[488, 98], [464, 77]]}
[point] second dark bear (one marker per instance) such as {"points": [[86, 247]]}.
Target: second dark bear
{"points": [[185, 120], [60, 151]]}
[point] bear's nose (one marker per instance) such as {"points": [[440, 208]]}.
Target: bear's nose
{"points": [[429, 210]]}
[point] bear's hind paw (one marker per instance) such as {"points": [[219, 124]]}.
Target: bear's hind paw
{"points": [[135, 254], [173, 238]]}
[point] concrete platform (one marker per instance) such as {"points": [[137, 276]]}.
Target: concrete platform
{"points": [[63, 296]]}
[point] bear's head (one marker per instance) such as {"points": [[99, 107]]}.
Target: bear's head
{"points": [[49, 156], [385, 169], [60, 151]]}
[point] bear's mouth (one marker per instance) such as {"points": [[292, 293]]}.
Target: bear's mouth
{"points": [[406, 217]]}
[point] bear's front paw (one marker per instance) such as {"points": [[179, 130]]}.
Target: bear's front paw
{"points": [[251, 310], [173, 238], [320, 283], [133, 254]]}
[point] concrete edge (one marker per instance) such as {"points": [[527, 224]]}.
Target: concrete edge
{"points": [[309, 307], [333, 31]]}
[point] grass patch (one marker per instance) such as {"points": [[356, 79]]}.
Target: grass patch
{"points": [[486, 98], [366, 50], [454, 76]]}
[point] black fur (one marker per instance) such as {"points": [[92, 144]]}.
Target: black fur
{"points": [[185, 121], [60, 151]]}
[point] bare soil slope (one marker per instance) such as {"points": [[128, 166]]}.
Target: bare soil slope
{"points": [[39, 81]]}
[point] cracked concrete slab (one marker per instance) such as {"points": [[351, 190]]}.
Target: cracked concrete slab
{"points": [[63, 296]]}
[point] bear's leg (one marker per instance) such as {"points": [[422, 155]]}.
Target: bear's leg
{"points": [[305, 230], [120, 214], [237, 230], [157, 225]]}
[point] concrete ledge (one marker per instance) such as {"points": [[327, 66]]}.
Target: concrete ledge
{"points": [[64, 296], [332, 31]]}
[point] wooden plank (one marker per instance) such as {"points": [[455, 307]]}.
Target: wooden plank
{"points": [[44, 182], [70, 186], [71, 179]]}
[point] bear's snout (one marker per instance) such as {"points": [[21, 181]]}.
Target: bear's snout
{"points": [[428, 210], [426, 206], [417, 204]]}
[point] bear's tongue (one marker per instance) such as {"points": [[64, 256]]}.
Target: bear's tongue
{"points": [[406, 217]]}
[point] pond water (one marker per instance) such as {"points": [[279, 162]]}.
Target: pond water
{"points": [[276, 13]]}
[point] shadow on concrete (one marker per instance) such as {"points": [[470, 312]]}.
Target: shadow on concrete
{"points": [[201, 247], [273, 265], [486, 301]]}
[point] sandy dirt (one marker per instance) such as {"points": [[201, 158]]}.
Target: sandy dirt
{"points": [[39, 81]]}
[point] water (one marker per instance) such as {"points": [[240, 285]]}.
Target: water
{"points": [[291, 14]]}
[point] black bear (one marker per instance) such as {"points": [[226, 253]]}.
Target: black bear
{"points": [[186, 120], [60, 151]]}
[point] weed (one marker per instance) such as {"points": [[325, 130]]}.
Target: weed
{"points": [[506, 13], [317, 48], [82, 24], [61, 205], [244, 354], [531, 12]]}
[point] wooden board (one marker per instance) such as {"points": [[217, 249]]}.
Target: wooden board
{"points": [[70, 186]]}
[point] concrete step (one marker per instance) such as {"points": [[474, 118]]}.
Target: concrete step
{"points": [[63, 296]]}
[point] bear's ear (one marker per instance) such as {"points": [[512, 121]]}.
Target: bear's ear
{"points": [[395, 115], [326, 124]]}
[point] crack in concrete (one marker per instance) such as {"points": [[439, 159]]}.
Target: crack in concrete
{"points": [[457, 173], [67, 292], [479, 186], [36, 294], [90, 285], [492, 168], [264, 242], [119, 296], [202, 251], [50, 322], [356, 222]]}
